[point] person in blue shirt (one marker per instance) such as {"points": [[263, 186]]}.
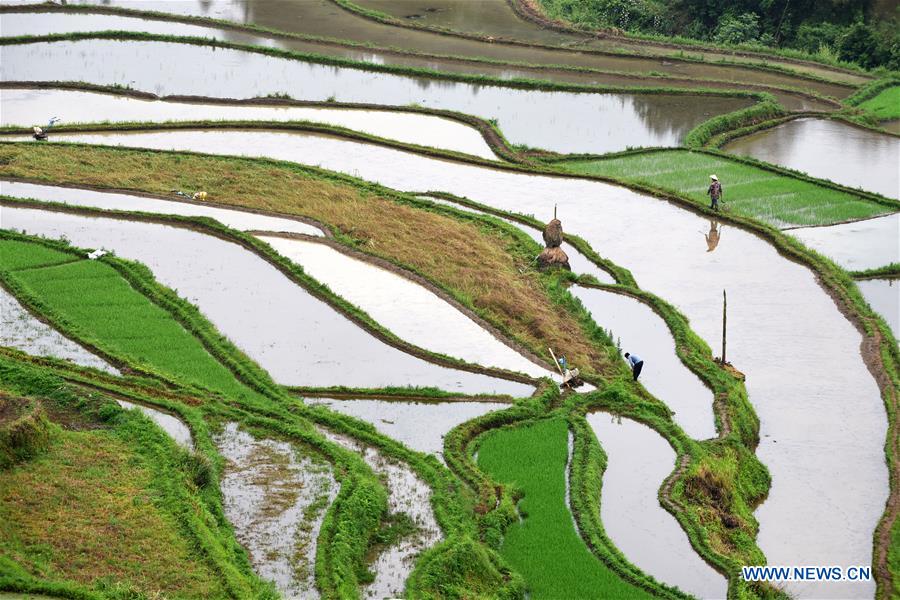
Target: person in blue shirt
{"points": [[636, 363]]}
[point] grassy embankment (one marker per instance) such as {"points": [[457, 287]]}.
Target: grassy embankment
{"points": [[532, 459], [749, 191], [886, 105], [355, 515], [748, 429], [482, 267], [85, 514], [352, 519]]}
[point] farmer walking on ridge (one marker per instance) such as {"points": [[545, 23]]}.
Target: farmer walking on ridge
{"points": [[715, 192], [636, 364]]}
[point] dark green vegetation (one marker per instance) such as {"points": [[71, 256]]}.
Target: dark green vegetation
{"points": [[831, 30], [531, 459], [748, 190]]}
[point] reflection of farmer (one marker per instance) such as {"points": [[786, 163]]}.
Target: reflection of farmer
{"points": [[636, 364], [712, 238], [715, 192]]}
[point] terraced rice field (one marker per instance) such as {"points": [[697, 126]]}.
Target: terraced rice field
{"points": [[287, 310]]}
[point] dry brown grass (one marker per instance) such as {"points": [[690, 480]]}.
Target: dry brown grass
{"points": [[461, 256]]}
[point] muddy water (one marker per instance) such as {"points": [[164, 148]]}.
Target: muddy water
{"points": [[800, 354], [828, 149], [580, 263], [176, 429], [419, 425], [408, 309], [26, 107], [883, 295], [20, 329], [299, 339], [644, 333], [560, 121], [856, 246], [324, 18], [407, 495], [238, 219], [276, 499], [638, 460]]}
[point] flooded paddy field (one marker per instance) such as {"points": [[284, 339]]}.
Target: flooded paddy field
{"points": [[549, 120], [322, 18], [638, 328], [408, 497], [883, 295], [319, 311], [417, 424], [173, 426], [259, 308], [23, 331], [829, 149], [638, 460], [25, 107], [799, 371], [856, 246], [238, 219], [410, 310], [276, 497]]}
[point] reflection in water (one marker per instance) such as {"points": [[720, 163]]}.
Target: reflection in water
{"points": [[714, 235], [559, 121]]}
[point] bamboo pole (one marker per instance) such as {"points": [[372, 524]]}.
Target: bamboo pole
{"points": [[724, 323]]}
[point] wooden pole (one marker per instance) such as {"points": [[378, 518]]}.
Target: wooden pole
{"points": [[554, 211], [724, 323]]}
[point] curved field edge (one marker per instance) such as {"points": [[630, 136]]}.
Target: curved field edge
{"points": [[691, 86], [847, 298], [512, 322], [751, 427], [540, 163], [386, 19], [355, 516]]}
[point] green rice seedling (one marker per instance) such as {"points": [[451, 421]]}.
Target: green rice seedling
{"points": [[545, 546], [750, 191]]}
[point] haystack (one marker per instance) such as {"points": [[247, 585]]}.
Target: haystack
{"points": [[553, 234], [553, 258]]}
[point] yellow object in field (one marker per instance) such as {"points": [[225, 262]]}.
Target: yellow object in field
{"points": [[199, 195]]}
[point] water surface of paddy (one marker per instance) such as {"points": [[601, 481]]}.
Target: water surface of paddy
{"points": [[409, 310], [297, 338], [236, 218], [419, 425], [638, 460], [829, 149], [823, 506], [856, 246], [560, 121], [173, 426], [643, 332], [409, 495], [21, 330], [323, 18], [883, 295], [276, 498], [29, 107]]}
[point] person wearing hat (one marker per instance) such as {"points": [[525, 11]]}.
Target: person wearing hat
{"points": [[715, 192]]}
